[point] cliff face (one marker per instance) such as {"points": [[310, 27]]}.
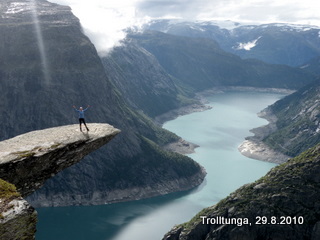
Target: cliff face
{"points": [[284, 204], [48, 65], [28, 160], [142, 80]]}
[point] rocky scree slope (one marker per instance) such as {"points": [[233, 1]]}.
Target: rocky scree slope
{"points": [[289, 191]]}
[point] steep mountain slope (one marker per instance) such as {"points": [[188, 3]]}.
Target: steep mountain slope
{"points": [[292, 45], [312, 66], [142, 80], [48, 65], [200, 64], [298, 119], [281, 205]]}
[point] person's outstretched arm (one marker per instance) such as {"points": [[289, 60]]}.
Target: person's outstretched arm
{"points": [[75, 108], [86, 108]]}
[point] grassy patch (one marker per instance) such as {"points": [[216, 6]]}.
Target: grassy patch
{"points": [[8, 192]]}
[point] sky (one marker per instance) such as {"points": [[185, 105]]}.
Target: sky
{"points": [[104, 21]]}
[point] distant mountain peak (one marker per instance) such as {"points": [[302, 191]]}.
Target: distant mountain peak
{"points": [[279, 43]]}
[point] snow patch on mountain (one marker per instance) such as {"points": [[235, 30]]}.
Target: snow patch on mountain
{"points": [[248, 45]]}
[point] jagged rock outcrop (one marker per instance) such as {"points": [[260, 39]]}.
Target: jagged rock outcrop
{"points": [[284, 204], [29, 159], [17, 218]]}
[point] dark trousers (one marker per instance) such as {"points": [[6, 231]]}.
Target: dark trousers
{"points": [[81, 120]]}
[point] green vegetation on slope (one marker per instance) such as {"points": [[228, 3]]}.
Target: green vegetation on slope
{"points": [[8, 192], [19, 227], [288, 191]]}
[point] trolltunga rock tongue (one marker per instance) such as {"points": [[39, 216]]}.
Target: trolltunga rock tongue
{"points": [[29, 159]]}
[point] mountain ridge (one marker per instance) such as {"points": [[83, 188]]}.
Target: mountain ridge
{"points": [[289, 44], [199, 64]]}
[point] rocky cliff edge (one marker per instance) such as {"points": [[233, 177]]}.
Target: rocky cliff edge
{"points": [[26, 161]]}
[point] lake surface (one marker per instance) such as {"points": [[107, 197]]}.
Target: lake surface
{"points": [[218, 132]]}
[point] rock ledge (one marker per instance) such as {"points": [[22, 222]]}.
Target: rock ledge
{"points": [[29, 159]]}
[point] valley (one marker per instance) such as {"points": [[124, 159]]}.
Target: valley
{"points": [[48, 65], [218, 133]]}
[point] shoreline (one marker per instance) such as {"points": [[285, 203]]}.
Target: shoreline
{"points": [[135, 193], [254, 147], [251, 147], [201, 97], [185, 110]]}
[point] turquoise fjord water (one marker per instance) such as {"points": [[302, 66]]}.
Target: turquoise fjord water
{"points": [[219, 132]]}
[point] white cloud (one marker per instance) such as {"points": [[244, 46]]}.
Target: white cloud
{"points": [[104, 21]]}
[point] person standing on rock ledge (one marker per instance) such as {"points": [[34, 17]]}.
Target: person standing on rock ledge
{"points": [[81, 116]]}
